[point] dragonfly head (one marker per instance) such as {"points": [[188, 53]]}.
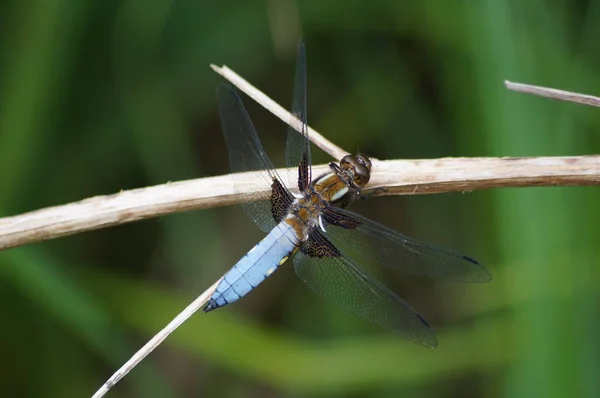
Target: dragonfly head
{"points": [[359, 167]]}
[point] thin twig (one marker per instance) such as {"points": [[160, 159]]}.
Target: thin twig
{"points": [[554, 93], [156, 340], [327, 146]]}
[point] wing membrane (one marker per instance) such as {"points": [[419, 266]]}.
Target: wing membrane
{"points": [[297, 144], [338, 280], [246, 153], [374, 242]]}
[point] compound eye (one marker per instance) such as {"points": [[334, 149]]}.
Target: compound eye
{"points": [[346, 161], [362, 175], [362, 159]]}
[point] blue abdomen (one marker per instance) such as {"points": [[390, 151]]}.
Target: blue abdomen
{"points": [[254, 267]]}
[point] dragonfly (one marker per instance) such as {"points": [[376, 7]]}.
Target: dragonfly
{"points": [[310, 222]]}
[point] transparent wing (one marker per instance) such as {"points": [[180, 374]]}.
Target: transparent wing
{"points": [[338, 280], [371, 241], [297, 151], [246, 153]]}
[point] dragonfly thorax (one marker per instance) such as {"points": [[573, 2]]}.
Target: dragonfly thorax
{"points": [[305, 213], [345, 181]]}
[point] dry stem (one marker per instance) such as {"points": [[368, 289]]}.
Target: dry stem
{"points": [[392, 177], [553, 93]]}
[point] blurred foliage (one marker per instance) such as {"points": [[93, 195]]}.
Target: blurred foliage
{"points": [[100, 96]]}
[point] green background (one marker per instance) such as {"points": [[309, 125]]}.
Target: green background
{"points": [[102, 96]]}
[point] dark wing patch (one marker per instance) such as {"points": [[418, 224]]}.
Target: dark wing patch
{"points": [[337, 219], [318, 246], [304, 172], [281, 200]]}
